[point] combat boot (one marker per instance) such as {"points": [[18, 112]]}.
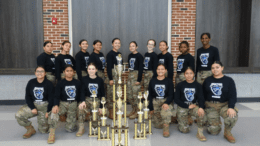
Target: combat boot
{"points": [[200, 135], [30, 131], [51, 138], [81, 130], [228, 135], [134, 115], [131, 113], [166, 132]]}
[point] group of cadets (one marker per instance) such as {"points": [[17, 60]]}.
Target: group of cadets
{"points": [[64, 86]]}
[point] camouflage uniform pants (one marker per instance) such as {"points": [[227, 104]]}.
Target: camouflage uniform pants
{"points": [[202, 75], [214, 111], [182, 115], [147, 77], [65, 108], [179, 78], [75, 76], [101, 75], [89, 108], [25, 113], [51, 78], [161, 116], [84, 73], [110, 90], [132, 89]]}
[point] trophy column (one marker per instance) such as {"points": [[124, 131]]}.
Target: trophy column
{"points": [[102, 124], [94, 117], [147, 118]]}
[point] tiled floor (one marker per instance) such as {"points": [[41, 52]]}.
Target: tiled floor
{"points": [[246, 132]]}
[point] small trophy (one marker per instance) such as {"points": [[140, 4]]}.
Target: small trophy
{"points": [[94, 117], [142, 132], [119, 68], [103, 123], [147, 118]]}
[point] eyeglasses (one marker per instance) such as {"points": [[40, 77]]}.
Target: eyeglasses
{"points": [[38, 72], [150, 44]]}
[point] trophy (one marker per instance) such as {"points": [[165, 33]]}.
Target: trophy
{"points": [[94, 116], [140, 121], [147, 118], [102, 123], [117, 126]]}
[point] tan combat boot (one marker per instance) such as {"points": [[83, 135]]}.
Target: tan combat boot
{"points": [[166, 132], [132, 112], [134, 115], [228, 135], [81, 130], [30, 131], [200, 135], [51, 138]]}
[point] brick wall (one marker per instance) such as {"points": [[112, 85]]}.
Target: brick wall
{"points": [[183, 26], [56, 33]]}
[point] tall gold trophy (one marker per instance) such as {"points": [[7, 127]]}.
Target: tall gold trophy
{"points": [[94, 117], [102, 124], [117, 126], [147, 118], [142, 130]]}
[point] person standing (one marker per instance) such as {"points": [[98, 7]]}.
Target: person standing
{"points": [[150, 63], [135, 61], [206, 55], [166, 58], [82, 59]]}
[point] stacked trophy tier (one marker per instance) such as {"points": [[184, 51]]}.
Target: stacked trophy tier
{"points": [[92, 130], [143, 125], [102, 124], [118, 128]]}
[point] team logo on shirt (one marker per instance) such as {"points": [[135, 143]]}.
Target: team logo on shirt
{"points": [[53, 60], [160, 89], [180, 64], [161, 61], [92, 88], [146, 61], [102, 59], [216, 89], [71, 92], [38, 92], [189, 93], [204, 59], [68, 61], [87, 59], [132, 63]]}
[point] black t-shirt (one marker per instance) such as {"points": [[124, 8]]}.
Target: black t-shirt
{"points": [[36, 91], [47, 61], [167, 60], [183, 61], [82, 60], [60, 63], [206, 57], [160, 89], [189, 93], [89, 85], [150, 62], [67, 91], [136, 63], [111, 61], [99, 60], [222, 90]]}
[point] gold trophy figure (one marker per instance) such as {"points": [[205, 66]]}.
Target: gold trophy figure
{"points": [[94, 116], [147, 118], [142, 132], [103, 123]]}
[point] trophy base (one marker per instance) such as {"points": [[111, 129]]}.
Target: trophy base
{"points": [[104, 139], [140, 137], [92, 135], [149, 133]]}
